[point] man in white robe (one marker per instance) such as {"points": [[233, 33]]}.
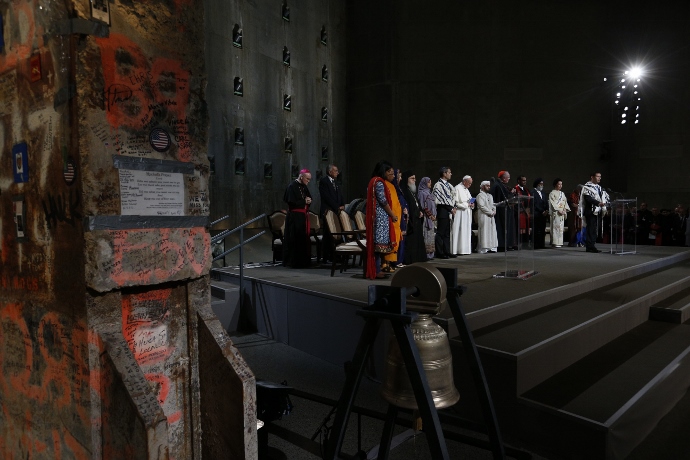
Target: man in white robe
{"points": [[487, 240], [461, 237]]}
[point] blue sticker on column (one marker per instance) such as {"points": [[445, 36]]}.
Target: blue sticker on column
{"points": [[2, 34], [20, 163]]}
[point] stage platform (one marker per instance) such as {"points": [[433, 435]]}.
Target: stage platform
{"points": [[576, 367]]}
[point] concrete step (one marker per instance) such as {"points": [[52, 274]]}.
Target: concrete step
{"points": [[675, 309], [495, 314], [225, 303], [537, 345], [605, 404], [222, 289]]}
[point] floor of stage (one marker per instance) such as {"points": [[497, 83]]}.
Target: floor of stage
{"points": [[555, 267]]}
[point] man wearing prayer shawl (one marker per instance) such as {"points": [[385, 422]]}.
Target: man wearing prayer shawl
{"points": [[296, 244], [444, 195], [592, 208], [461, 237]]}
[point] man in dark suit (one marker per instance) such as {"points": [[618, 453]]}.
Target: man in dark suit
{"points": [[331, 198], [541, 210]]}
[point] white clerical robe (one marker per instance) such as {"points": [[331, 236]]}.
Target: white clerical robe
{"points": [[487, 239], [461, 236]]}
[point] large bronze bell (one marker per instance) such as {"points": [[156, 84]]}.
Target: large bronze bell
{"points": [[430, 338]]}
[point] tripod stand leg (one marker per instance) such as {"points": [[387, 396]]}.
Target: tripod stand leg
{"points": [[478, 376], [347, 397], [387, 435], [422, 392]]}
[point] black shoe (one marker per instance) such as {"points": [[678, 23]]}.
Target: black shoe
{"points": [[443, 257], [595, 250], [452, 256]]}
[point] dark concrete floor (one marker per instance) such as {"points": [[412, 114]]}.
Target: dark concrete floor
{"points": [[277, 362]]}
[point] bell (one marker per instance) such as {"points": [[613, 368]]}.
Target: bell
{"points": [[431, 340]]}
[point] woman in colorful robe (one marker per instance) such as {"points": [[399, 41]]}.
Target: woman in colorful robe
{"points": [[558, 208], [380, 220]]}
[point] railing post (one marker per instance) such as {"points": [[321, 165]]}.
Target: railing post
{"points": [[241, 268]]}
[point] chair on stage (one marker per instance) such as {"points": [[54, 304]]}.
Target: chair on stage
{"points": [[360, 226], [346, 243], [276, 224], [316, 235], [360, 221]]}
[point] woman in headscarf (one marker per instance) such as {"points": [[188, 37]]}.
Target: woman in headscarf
{"points": [[380, 220], [428, 205], [399, 209], [414, 239], [558, 206]]}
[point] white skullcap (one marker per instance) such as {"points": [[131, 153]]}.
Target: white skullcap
{"points": [[466, 177], [484, 182]]}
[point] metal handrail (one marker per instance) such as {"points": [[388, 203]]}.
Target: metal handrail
{"points": [[237, 246], [219, 220], [220, 236], [240, 246]]}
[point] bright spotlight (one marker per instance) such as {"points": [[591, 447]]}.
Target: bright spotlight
{"points": [[635, 72], [622, 122]]}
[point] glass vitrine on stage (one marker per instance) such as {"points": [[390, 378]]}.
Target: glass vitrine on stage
{"points": [[519, 247], [623, 226]]}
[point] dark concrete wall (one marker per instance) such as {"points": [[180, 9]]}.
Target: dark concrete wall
{"points": [[259, 111], [104, 253], [485, 86], [45, 396]]}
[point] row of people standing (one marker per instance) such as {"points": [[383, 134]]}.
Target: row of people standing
{"points": [[523, 213], [394, 221], [407, 224]]}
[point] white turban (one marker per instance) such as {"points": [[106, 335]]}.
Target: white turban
{"points": [[484, 182]]}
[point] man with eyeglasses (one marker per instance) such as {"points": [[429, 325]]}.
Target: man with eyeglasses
{"points": [[331, 198]]}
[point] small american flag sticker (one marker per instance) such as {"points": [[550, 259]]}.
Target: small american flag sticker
{"points": [[68, 172], [159, 139]]}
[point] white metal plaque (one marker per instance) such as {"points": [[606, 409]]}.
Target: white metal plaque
{"points": [[151, 193]]}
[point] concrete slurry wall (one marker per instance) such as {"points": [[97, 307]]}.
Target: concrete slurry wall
{"points": [[104, 250], [259, 111], [488, 86]]}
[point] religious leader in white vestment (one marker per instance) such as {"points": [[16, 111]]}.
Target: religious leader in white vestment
{"points": [[461, 236], [487, 238]]}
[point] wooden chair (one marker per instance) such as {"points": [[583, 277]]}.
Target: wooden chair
{"points": [[346, 243], [316, 235], [346, 222], [276, 224], [360, 221]]}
